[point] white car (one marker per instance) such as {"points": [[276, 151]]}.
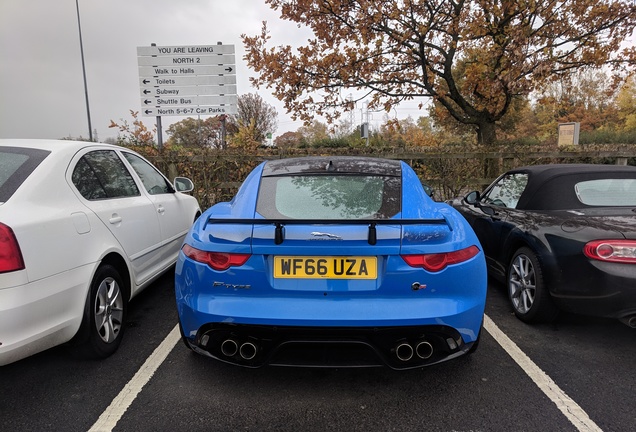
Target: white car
{"points": [[84, 227]]}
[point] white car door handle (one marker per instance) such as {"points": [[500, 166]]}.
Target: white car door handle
{"points": [[161, 210], [115, 219]]}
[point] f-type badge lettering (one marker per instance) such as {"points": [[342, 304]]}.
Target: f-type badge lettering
{"points": [[231, 286], [324, 236]]}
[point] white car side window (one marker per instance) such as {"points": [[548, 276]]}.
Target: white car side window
{"points": [[101, 174], [153, 181]]}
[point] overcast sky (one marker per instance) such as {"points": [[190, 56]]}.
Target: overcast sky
{"points": [[41, 84]]}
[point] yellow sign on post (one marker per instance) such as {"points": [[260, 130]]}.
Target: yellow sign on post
{"points": [[569, 133]]}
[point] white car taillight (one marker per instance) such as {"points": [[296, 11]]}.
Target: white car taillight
{"points": [[623, 251], [10, 254]]}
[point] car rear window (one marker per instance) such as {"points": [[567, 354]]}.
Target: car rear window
{"points": [[16, 165], [607, 192], [329, 197]]}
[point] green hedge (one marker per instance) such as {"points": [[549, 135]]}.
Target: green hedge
{"points": [[451, 171]]}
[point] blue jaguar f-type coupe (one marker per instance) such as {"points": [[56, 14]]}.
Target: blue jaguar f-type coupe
{"points": [[331, 262]]}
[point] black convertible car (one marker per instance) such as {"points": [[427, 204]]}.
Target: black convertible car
{"points": [[560, 237]]}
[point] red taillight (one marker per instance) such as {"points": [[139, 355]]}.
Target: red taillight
{"points": [[217, 260], [10, 254], [622, 251], [438, 261]]}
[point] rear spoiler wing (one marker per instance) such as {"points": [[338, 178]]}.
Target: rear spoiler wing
{"points": [[372, 223]]}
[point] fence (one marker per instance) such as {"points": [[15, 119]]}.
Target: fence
{"points": [[218, 174]]}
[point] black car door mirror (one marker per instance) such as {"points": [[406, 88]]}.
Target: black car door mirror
{"points": [[472, 198], [428, 190]]}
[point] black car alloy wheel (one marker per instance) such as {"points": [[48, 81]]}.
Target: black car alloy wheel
{"points": [[527, 292]]}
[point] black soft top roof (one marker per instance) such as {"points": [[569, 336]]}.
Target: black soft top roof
{"points": [[551, 187], [332, 165]]}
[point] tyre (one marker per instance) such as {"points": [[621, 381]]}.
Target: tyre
{"points": [[105, 313], [527, 292]]}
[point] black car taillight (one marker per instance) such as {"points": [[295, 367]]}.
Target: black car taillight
{"points": [[439, 261], [217, 260], [10, 254], [621, 251]]}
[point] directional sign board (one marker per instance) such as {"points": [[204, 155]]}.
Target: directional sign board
{"points": [[187, 80], [158, 91], [180, 60], [199, 80]]}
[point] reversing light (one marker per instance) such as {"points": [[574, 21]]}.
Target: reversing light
{"points": [[10, 254], [439, 261], [217, 260], [621, 251]]}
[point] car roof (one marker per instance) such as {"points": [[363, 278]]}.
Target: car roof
{"points": [[52, 145], [554, 170], [332, 164], [551, 187]]}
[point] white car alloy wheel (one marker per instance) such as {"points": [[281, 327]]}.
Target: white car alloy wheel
{"points": [[109, 310], [106, 314]]}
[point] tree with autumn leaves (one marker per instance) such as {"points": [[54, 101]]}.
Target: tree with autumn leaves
{"points": [[475, 59], [247, 129], [254, 119]]}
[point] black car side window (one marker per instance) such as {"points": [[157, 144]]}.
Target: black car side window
{"points": [[507, 190], [102, 174]]}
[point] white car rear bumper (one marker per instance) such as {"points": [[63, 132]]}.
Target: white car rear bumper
{"points": [[39, 315]]}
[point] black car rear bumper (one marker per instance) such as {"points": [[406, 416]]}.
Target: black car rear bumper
{"points": [[601, 289]]}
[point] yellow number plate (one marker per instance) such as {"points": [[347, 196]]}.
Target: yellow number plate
{"points": [[351, 267]]}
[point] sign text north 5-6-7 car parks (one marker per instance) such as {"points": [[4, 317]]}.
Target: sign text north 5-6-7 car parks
{"points": [[187, 80]]}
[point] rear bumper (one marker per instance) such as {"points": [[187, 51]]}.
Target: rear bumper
{"points": [[332, 333], [598, 289], [325, 319], [396, 347], [42, 314]]}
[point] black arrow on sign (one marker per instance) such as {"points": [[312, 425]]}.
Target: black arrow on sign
{"points": [[147, 91], [147, 102], [228, 69], [145, 81], [148, 112]]}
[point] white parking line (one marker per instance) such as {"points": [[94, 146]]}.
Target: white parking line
{"points": [[109, 418], [564, 403]]}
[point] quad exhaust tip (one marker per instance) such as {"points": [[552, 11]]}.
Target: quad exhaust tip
{"points": [[424, 350], [404, 351], [231, 348], [248, 351], [629, 320]]}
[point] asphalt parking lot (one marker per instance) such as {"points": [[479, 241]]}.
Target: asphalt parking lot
{"points": [[575, 374]]}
